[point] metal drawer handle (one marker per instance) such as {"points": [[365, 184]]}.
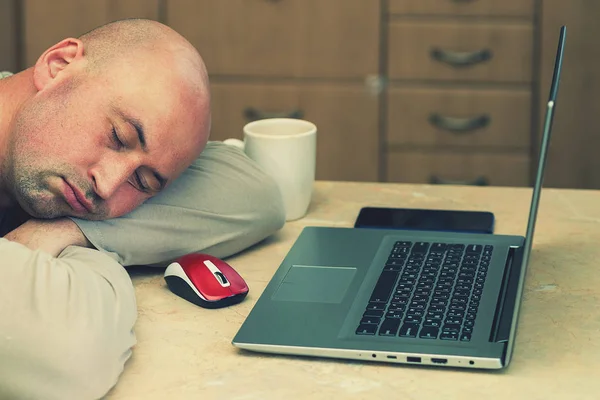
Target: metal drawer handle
{"points": [[461, 59], [481, 181], [459, 125], [252, 114]]}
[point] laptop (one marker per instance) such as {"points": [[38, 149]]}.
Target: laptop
{"points": [[409, 297]]}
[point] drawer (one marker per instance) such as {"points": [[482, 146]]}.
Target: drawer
{"points": [[291, 38], [496, 8], [461, 51], [494, 169], [459, 117], [346, 117]]}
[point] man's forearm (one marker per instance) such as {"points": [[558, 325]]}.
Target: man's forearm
{"points": [[222, 204], [51, 236]]}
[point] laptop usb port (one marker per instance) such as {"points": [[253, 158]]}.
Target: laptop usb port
{"points": [[439, 360], [413, 359]]}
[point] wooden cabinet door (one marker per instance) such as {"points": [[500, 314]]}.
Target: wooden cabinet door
{"points": [[291, 38], [573, 160], [8, 36], [346, 117], [48, 22]]}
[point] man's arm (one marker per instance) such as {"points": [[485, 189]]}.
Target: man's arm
{"points": [[222, 204], [51, 236], [67, 323]]}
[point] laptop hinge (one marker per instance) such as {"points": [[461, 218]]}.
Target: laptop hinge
{"points": [[506, 299]]}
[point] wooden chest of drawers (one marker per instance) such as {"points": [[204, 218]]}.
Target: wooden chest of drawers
{"points": [[459, 100]]}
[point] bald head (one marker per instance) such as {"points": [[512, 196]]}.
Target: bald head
{"points": [[116, 115], [150, 42], [131, 36]]}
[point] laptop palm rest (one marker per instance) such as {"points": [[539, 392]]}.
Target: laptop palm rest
{"points": [[315, 284]]}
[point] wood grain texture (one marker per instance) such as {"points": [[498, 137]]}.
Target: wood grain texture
{"points": [[495, 8], [8, 36], [47, 23], [573, 160], [291, 38]]}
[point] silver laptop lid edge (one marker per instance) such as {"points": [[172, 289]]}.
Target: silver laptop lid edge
{"points": [[537, 188]]}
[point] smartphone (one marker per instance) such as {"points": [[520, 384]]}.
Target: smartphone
{"points": [[426, 220]]}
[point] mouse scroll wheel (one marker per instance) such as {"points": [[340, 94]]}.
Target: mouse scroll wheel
{"points": [[221, 278]]}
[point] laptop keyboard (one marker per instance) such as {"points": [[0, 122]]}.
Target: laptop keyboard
{"points": [[428, 291]]}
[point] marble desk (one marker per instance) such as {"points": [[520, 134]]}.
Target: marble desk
{"points": [[185, 352]]}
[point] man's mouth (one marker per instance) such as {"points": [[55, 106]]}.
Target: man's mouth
{"points": [[76, 199]]}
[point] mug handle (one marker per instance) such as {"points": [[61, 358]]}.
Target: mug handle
{"points": [[235, 142]]}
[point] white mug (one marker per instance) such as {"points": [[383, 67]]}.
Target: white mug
{"points": [[285, 149]]}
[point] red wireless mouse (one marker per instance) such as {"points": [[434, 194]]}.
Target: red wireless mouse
{"points": [[205, 281]]}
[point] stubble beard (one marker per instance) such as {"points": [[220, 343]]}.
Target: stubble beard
{"points": [[34, 196]]}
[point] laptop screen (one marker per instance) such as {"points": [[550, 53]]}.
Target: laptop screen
{"points": [[547, 130]]}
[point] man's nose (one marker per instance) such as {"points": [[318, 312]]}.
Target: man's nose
{"points": [[110, 174]]}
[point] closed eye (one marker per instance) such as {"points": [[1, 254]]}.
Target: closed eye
{"points": [[116, 140], [140, 185]]}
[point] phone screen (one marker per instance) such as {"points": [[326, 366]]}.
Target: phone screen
{"points": [[428, 220]]}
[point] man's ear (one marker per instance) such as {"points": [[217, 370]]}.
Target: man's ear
{"points": [[56, 59]]}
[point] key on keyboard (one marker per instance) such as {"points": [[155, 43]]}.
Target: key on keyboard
{"points": [[428, 291]]}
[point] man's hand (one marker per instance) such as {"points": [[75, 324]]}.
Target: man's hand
{"points": [[51, 236]]}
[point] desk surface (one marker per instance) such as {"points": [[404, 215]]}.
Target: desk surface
{"points": [[185, 352]]}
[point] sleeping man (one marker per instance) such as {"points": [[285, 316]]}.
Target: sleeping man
{"points": [[105, 162]]}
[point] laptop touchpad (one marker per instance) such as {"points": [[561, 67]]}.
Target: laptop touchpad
{"points": [[315, 284]]}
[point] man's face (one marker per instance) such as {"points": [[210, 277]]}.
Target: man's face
{"points": [[99, 146]]}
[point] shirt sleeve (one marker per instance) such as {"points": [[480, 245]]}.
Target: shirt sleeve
{"points": [[67, 323], [222, 204]]}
